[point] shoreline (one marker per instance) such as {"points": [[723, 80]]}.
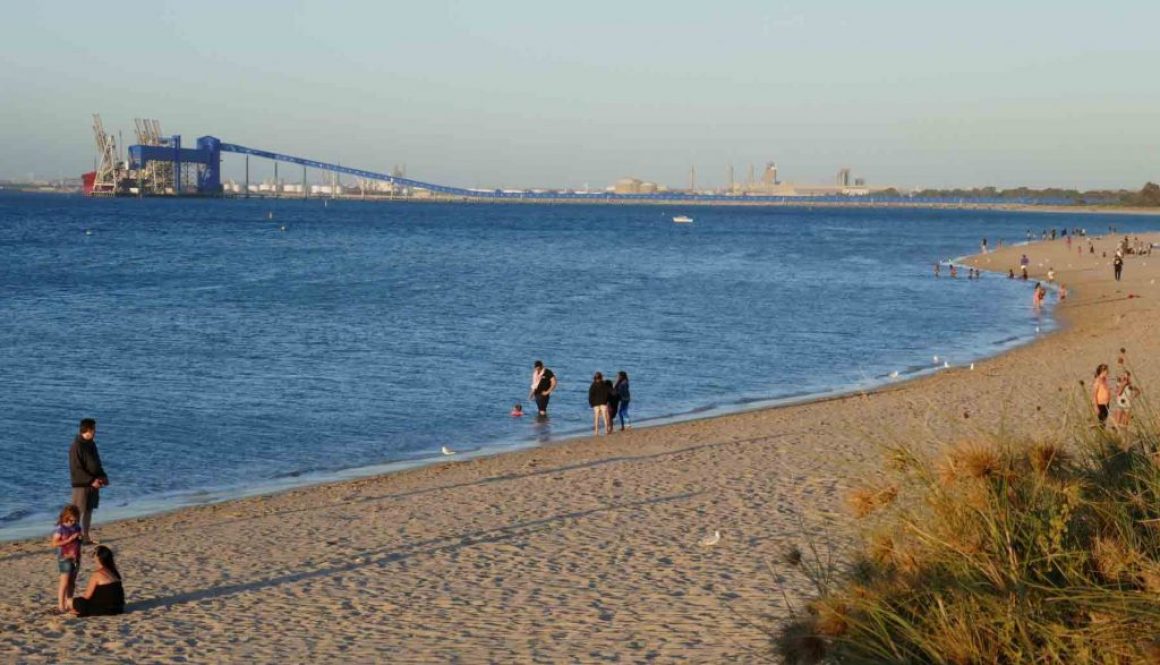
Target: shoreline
{"points": [[585, 547], [31, 526]]}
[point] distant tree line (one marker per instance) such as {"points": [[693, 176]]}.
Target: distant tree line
{"points": [[1148, 196]]}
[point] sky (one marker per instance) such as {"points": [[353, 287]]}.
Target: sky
{"points": [[514, 93]]}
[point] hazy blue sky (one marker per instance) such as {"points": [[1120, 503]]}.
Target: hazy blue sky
{"points": [[520, 93]]}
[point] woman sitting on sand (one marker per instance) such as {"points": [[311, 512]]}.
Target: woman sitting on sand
{"points": [[104, 595]]}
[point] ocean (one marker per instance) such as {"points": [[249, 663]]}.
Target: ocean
{"points": [[232, 347]]}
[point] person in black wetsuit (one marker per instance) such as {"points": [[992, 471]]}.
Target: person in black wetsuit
{"points": [[105, 595]]}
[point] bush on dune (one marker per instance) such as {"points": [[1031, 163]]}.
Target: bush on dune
{"points": [[999, 551]]}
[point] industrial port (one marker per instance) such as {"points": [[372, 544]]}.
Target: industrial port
{"points": [[161, 165]]}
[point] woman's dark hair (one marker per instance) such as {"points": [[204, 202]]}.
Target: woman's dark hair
{"points": [[598, 378], [105, 556], [88, 425], [621, 376], [1103, 367]]}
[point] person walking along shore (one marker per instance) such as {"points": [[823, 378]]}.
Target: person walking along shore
{"points": [[87, 474]]}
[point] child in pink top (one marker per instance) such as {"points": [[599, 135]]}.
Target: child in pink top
{"points": [[66, 537]]}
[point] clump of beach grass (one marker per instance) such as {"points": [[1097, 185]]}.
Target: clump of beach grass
{"points": [[999, 550]]}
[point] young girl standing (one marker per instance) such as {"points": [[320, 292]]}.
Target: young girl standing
{"points": [[66, 538]]}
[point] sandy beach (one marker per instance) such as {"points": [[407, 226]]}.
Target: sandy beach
{"points": [[585, 551]]}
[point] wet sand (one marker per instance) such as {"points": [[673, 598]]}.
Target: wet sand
{"points": [[586, 551]]}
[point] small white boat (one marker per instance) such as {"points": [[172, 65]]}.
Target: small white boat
{"points": [[683, 219]]}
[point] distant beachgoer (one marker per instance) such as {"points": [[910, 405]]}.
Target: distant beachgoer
{"points": [[1037, 295], [1028, 235], [1068, 238], [625, 396], [1024, 261], [1051, 274], [1118, 266], [1023, 276], [1053, 234], [937, 268], [1062, 293], [1125, 391], [518, 410], [613, 403], [543, 385], [66, 538], [984, 245], [954, 271], [87, 474], [598, 400], [1010, 273], [1101, 395], [105, 594]]}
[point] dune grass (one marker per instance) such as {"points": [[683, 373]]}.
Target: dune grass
{"points": [[998, 550]]}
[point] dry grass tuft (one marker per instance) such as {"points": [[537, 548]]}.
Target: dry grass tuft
{"points": [[1008, 552]]}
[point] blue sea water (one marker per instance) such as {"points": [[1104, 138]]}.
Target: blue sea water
{"points": [[235, 346]]}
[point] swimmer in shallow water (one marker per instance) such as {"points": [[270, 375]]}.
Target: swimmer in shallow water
{"points": [[518, 410]]}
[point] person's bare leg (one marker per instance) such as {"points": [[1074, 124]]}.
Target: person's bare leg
{"points": [[62, 594]]}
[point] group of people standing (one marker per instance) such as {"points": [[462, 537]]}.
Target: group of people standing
{"points": [[609, 401], [1123, 393], [104, 593]]}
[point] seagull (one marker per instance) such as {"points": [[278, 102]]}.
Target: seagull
{"points": [[712, 540], [283, 227], [946, 364], [894, 374], [972, 367], [936, 360], [1037, 329], [447, 451]]}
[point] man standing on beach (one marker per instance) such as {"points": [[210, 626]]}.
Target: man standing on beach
{"points": [[88, 476], [543, 385], [1118, 265]]}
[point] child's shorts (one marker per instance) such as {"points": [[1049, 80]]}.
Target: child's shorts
{"points": [[66, 566]]}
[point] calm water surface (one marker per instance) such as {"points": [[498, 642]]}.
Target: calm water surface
{"points": [[222, 354]]}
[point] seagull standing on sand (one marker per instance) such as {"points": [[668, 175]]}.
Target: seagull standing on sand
{"points": [[447, 451], [894, 374], [712, 540]]}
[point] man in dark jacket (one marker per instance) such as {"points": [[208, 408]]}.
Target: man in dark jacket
{"points": [[88, 476]]}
